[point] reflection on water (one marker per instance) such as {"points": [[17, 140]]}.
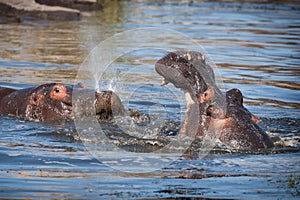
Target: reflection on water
{"points": [[256, 49]]}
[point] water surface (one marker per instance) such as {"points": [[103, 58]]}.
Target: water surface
{"points": [[256, 49]]}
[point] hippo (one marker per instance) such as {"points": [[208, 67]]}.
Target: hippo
{"points": [[208, 109], [53, 101]]}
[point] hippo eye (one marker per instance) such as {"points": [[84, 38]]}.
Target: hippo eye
{"points": [[57, 90]]}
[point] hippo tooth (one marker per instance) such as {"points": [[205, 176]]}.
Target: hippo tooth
{"points": [[188, 98], [189, 57], [164, 82]]}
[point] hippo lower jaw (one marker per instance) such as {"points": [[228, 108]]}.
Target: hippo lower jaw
{"points": [[190, 127], [199, 116]]}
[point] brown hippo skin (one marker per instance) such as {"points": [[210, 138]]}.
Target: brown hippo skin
{"points": [[52, 101], [238, 129]]}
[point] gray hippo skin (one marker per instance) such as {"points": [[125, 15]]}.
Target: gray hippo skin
{"points": [[54, 101], [208, 109]]}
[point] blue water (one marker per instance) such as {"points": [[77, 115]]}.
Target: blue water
{"points": [[255, 47]]}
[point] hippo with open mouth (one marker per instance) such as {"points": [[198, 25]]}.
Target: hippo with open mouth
{"points": [[209, 111], [54, 101]]}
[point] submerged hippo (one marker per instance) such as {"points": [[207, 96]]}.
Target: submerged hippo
{"points": [[53, 101], [209, 111]]}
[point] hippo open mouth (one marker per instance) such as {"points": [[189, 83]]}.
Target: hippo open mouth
{"points": [[67, 107], [207, 106], [189, 71]]}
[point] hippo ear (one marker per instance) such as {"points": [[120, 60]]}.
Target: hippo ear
{"points": [[80, 85], [255, 119], [35, 98]]}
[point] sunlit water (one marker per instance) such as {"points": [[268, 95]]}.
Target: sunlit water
{"points": [[255, 48]]}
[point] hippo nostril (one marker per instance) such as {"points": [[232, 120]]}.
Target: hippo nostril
{"points": [[209, 110]]}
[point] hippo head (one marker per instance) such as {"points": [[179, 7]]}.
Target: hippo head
{"points": [[189, 71], [209, 111], [55, 101]]}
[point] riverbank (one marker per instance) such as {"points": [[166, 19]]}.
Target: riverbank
{"points": [[47, 9]]}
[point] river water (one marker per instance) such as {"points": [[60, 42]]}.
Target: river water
{"points": [[255, 47]]}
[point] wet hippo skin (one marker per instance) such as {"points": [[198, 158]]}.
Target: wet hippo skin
{"points": [[209, 111], [53, 101]]}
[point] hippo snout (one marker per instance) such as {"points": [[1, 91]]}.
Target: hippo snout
{"points": [[108, 105], [104, 104]]}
